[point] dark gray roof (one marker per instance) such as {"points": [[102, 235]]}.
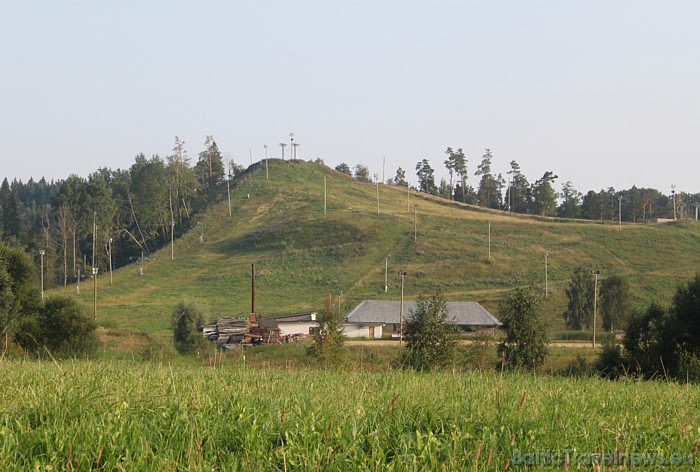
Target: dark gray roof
{"points": [[388, 311]]}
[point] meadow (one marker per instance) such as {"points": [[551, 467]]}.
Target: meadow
{"points": [[224, 415], [141, 407], [303, 254]]}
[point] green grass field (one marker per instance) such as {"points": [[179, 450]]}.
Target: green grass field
{"points": [[303, 255], [224, 415], [267, 408]]}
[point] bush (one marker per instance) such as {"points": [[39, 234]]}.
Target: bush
{"points": [[186, 322], [61, 327], [611, 363], [328, 341], [577, 367], [479, 355]]}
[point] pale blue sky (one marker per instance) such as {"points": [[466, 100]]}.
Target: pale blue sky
{"points": [[603, 93]]}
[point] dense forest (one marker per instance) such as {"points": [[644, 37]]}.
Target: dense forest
{"points": [[114, 217]]}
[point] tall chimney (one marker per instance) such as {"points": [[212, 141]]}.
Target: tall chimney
{"points": [[252, 301]]}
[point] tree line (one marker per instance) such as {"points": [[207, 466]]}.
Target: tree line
{"points": [[121, 215], [515, 193]]}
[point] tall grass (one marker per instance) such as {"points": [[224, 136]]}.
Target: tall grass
{"points": [[131, 416]]}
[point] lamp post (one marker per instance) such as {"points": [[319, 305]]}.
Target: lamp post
{"points": [[94, 293], [267, 174], [386, 273], [339, 295], [595, 301], [673, 195], [546, 275], [403, 276], [291, 147], [41, 253]]}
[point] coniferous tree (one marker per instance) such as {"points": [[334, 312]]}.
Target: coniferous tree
{"points": [[9, 212], [426, 177], [570, 206], [544, 197], [518, 194], [490, 186], [343, 168], [400, 178]]}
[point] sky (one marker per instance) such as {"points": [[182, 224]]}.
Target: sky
{"points": [[602, 93]]}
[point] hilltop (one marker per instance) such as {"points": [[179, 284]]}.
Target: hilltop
{"points": [[303, 254]]}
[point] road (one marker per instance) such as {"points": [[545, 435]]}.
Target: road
{"points": [[382, 342]]}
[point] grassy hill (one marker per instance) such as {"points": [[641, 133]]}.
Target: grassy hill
{"points": [[302, 254]]}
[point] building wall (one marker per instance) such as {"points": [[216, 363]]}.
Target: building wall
{"points": [[297, 327], [352, 330]]}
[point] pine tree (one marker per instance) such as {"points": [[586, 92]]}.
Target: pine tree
{"points": [[9, 211]]}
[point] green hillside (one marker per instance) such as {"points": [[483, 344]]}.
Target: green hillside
{"points": [[302, 254]]}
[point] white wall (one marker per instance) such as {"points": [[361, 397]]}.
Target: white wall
{"points": [[288, 329], [352, 330]]}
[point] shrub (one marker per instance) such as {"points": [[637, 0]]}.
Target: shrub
{"points": [[328, 341], [577, 367], [186, 322], [611, 363], [61, 327]]}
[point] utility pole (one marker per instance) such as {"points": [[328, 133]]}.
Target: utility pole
{"points": [[489, 240], [408, 197], [267, 174], [376, 178], [386, 273], [595, 301], [228, 192], [339, 295], [619, 210], [403, 276], [41, 253], [94, 294], [415, 223], [546, 275], [109, 252], [94, 269]]}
